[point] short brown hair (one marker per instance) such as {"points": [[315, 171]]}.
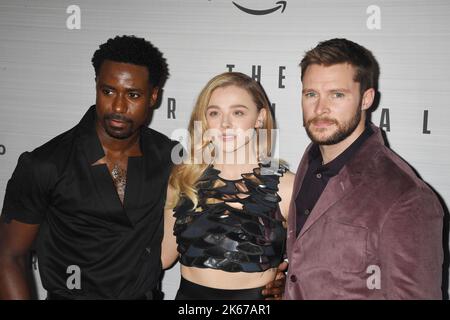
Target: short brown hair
{"points": [[336, 51]]}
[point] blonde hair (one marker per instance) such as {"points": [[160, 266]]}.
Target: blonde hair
{"points": [[184, 177]]}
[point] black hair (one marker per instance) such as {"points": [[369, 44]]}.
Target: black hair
{"points": [[134, 50]]}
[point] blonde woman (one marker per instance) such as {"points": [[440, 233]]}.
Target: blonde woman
{"points": [[227, 202]]}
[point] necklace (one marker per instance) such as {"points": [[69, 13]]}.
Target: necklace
{"points": [[120, 180]]}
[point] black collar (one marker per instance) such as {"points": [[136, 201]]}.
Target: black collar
{"points": [[91, 143], [333, 167]]}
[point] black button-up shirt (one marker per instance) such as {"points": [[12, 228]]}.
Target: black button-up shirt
{"points": [[89, 245], [318, 175]]}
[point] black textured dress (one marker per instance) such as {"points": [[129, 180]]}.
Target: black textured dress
{"points": [[237, 225]]}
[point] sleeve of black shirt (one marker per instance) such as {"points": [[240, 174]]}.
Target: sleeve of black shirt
{"points": [[26, 197]]}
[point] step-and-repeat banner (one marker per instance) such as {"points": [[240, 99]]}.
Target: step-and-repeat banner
{"points": [[47, 81]]}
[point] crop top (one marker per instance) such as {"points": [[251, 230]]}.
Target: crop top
{"points": [[236, 226]]}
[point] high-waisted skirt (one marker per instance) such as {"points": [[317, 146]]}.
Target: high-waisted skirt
{"points": [[192, 291]]}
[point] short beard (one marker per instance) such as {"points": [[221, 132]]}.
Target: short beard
{"points": [[343, 131], [118, 134]]}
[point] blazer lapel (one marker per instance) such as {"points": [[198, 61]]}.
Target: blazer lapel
{"points": [[357, 171], [336, 189], [355, 177]]}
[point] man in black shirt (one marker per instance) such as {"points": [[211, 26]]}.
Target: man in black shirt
{"points": [[93, 196]]}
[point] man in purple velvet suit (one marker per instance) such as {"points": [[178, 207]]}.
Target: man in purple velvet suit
{"points": [[362, 225]]}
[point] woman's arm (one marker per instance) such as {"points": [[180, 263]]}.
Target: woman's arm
{"points": [[169, 253], [285, 192]]}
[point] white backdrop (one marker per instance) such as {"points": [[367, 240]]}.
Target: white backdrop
{"points": [[47, 82]]}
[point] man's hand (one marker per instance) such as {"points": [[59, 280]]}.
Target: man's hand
{"points": [[274, 290]]}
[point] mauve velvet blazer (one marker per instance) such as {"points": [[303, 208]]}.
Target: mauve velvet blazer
{"points": [[375, 233]]}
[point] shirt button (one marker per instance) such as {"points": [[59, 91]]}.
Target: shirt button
{"points": [[293, 278], [307, 212], [319, 176]]}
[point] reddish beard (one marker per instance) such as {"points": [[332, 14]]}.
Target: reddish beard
{"points": [[342, 132]]}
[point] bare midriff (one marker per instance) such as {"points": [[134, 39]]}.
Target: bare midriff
{"points": [[227, 280]]}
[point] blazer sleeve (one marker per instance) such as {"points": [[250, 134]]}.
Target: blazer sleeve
{"points": [[411, 250]]}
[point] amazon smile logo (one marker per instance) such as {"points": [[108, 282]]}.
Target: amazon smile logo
{"points": [[279, 5]]}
